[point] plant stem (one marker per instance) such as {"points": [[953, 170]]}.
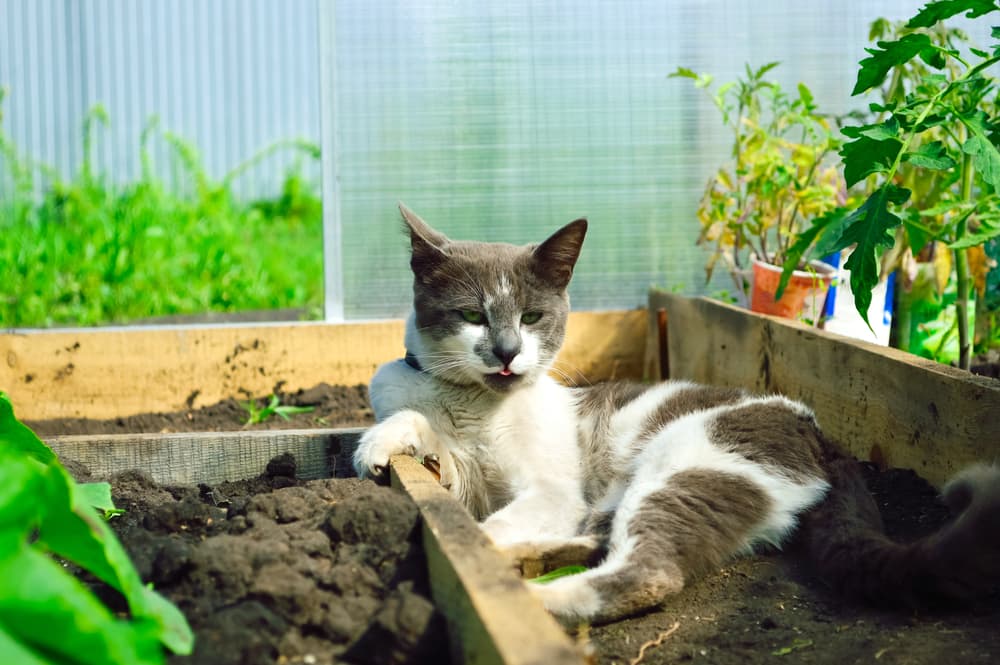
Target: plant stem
{"points": [[962, 274]]}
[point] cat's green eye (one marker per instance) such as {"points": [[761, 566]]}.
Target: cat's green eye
{"points": [[529, 318], [473, 316]]}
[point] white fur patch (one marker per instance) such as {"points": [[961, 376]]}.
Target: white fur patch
{"points": [[570, 598], [527, 361]]}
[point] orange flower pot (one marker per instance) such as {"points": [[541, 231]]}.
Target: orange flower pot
{"points": [[803, 297]]}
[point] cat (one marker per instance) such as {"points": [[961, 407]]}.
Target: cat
{"points": [[657, 483]]}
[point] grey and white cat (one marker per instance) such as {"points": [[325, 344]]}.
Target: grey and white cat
{"points": [[664, 482]]}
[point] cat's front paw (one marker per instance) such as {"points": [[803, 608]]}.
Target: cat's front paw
{"points": [[403, 433]]}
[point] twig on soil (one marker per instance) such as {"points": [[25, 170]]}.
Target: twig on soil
{"points": [[654, 643]]}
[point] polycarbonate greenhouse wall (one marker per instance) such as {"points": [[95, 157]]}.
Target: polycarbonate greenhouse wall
{"points": [[493, 120]]}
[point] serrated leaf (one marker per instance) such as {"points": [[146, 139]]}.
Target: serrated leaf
{"points": [[932, 156], [866, 155], [933, 57], [870, 228], [881, 131], [985, 156], [933, 12], [822, 227], [888, 55]]}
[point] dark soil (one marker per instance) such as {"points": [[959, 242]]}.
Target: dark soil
{"points": [[987, 364], [329, 571], [770, 609], [333, 406], [274, 570]]}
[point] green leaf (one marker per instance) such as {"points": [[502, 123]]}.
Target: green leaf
{"points": [[797, 643], [870, 228], [933, 57], [557, 573], [38, 496], [805, 94], [97, 495], [988, 227], [821, 227], [889, 129], [932, 156], [917, 235], [19, 437], [285, 411], [873, 150], [764, 69], [683, 72], [985, 156], [888, 55], [938, 11], [42, 601], [12, 651]]}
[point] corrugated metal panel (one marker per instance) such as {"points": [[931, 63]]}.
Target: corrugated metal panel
{"points": [[230, 76], [505, 120]]}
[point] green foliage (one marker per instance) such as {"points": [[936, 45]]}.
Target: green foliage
{"points": [[257, 414], [85, 251], [557, 573], [929, 159], [46, 614], [781, 175]]}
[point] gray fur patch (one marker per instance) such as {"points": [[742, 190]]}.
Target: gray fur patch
{"points": [[691, 526], [685, 401], [771, 433]]}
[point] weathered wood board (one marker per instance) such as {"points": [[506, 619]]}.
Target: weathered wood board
{"points": [[107, 373], [881, 403], [211, 457], [491, 617]]}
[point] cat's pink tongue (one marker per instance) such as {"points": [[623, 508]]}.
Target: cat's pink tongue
{"points": [[505, 372]]}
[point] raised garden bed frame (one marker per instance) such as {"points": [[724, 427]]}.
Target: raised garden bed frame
{"points": [[884, 405]]}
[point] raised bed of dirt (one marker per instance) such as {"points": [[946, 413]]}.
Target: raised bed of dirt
{"points": [[328, 571], [277, 570], [333, 406]]}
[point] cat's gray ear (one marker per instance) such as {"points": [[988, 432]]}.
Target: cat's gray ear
{"points": [[427, 244], [555, 258]]}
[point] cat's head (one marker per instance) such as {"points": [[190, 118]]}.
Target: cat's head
{"points": [[489, 314]]}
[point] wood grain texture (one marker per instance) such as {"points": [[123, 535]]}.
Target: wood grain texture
{"points": [[211, 457], [126, 371], [881, 403], [491, 616]]}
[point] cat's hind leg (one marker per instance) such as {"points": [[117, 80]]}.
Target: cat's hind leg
{"points": [[660, 539]]}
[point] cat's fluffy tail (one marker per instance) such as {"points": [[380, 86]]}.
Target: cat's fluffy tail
{"points": [[845, 540]]}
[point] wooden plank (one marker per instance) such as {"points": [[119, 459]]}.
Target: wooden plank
{"points": [[109, 373], [491, 616], [212, 457], [882, 404]]}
